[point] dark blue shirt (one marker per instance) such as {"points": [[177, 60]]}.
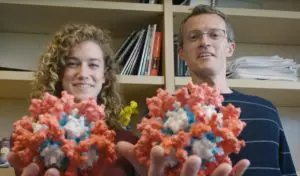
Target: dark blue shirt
{"points": [[266, 145]]}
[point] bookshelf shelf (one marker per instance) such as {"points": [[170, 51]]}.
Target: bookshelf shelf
{"points": [[139, 87], [147, 80], [281, 93], [47, 16], [256, 25], [7, 171], [251, 83], [15, 84], [15, 76], [12, 81]]}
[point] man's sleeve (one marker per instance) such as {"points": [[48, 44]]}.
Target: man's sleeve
{"points": [[285, 159]]}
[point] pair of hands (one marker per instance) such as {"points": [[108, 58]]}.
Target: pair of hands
{"points": [[190, 168]]}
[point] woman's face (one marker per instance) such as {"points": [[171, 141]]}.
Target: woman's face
{"points": [[84, 71]]}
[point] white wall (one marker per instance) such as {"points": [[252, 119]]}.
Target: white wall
{"points": [[10, 111], [22, 51]]}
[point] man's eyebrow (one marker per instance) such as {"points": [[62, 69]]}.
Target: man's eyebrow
{"points": [[194, 30], [197, 30]]}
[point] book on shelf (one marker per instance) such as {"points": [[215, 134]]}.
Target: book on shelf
{"points": [[125, 49], [156, 55], [181, 68], [130, 63], [125, 46], [140, 53], [147, 51]]}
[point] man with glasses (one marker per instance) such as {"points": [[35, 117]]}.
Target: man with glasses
{"points": [[206, 40]]}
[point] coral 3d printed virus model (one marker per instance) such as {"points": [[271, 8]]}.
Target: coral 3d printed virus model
{"points": [[61, 133], [190, 122]]}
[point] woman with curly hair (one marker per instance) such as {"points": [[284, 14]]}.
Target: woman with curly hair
{"points": [[79, 60]]}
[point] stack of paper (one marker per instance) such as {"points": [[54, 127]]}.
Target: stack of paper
{"points": [[263, 67]]}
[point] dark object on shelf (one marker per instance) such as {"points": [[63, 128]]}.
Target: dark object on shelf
{"points": [[4, 150], [178, 2], [150, 1]]}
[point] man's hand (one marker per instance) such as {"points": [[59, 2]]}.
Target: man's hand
{"points": [[190, 167], [30, 170]]}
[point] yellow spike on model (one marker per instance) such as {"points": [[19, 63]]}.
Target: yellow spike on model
{"points": [[127, 113]]}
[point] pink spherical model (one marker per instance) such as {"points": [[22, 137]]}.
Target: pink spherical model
{"points": [[72, 137], [190, 122]]}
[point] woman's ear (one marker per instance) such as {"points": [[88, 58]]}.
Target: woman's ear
{"points": [[105, 76]]}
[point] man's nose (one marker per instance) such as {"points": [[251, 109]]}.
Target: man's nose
{"points": [[204, 40]]}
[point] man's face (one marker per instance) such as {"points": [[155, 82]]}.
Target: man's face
{"points": [[205, 46]]}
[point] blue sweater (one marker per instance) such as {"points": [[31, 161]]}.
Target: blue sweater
{"points": [[266, 145]]}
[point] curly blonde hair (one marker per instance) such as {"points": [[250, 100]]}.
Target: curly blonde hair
{"points": [[52, 63]]}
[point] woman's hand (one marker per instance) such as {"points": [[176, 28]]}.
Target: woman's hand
{"points": [[30, 170], [190, 167]]}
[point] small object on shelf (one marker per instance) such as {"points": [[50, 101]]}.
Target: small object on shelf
{"points": [[190, 122], [60, 133], [149, 1], [203, 2], [180, 2], [4, 150]]}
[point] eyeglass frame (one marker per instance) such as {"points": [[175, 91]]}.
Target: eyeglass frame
{"points": [[207, 33]]}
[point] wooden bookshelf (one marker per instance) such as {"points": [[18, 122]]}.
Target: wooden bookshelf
{"points": [[141, 80], [17, 84], [47, 16], [39, 21], [34, 21], [286, 92]]}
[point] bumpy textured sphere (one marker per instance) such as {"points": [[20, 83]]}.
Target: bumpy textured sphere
{"points": [[190, 122], [63, 134]]}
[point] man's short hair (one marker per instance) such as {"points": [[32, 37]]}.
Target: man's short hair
{"points": [[205, 9]]}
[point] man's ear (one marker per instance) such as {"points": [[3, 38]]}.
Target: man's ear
{"points": [[231, 49], [181, 53]]}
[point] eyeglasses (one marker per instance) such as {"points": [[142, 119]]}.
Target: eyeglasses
{"points": [[213, 34]]}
